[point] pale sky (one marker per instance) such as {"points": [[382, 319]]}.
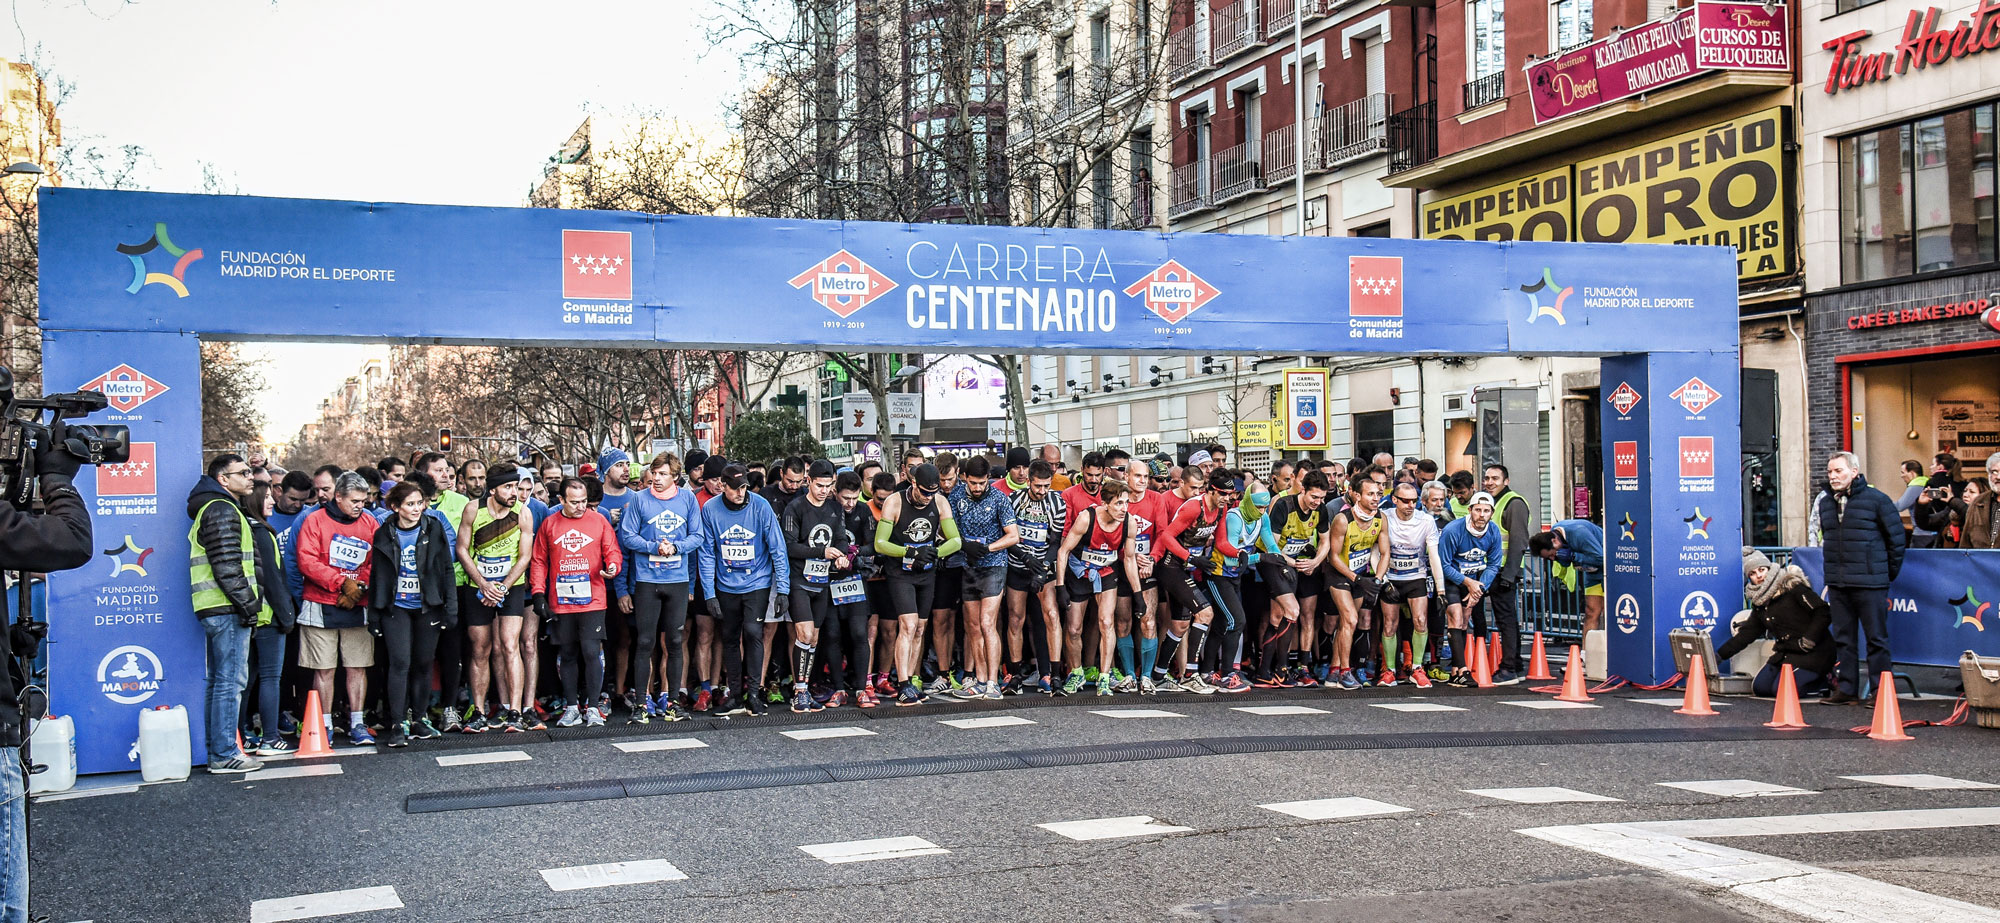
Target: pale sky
{"points": [[454, 103]]}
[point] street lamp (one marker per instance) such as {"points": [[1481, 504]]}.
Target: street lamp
{"points": [[23, 168]]}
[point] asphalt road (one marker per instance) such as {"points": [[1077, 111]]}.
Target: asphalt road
{"points": [[1421, 847]]}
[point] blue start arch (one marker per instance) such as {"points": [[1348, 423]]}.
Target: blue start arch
{"points": [[130, 282]]}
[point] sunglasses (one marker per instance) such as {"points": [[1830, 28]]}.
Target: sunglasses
{"points": [[1401, 500]]}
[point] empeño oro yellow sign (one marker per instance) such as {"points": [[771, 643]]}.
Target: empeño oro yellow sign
{"points": [[1724, 185], [1255, 434]]}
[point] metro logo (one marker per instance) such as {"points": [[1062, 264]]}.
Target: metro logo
{"points": [[134, 477], [572, 541], [125, 388], [1625, 398], [1696, 395], [1375, 286], [1625, 459], [1173, 291], [843, 283], [1697, 456], [597, 264]]}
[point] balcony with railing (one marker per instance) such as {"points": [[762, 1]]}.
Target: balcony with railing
{"points": [[1140, 216], [1238, 172], [1190, 190], [1281, 154], [1235, 28], [1487, 89], [1280, 14], [1187, 52], [1350, 132], [1413, 137]]}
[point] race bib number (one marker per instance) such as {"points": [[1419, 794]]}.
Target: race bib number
{"points": [[665, 560], [1097, 558], [848, 591], [1403, 564], [1472, 568], [573, 588], [408, 585], [345, 552], [1297, 547], [738, 554], [1360, 561], [1197, 552], [816, 570], [1035, 533], [494, 568], [1142, 544], [910, 558]]}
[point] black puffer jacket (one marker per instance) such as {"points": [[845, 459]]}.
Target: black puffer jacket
{"points": [[1864, 545], [434, 573], [1796, 617], [221, 535]]}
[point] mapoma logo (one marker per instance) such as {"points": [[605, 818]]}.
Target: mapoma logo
{"points": [[1547, 283], [176, 280]]}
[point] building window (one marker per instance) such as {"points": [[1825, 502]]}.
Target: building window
{"points": [[1379, 229], [1489, 38], [1374, 433], [1100, 40], [833, 384], [1918, 197], [1101, 199], [1028, 79], [1842, 6], [1066, 195], [1569, 23]]}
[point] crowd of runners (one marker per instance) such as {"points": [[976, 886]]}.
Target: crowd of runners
{"points": [[501, 597]]}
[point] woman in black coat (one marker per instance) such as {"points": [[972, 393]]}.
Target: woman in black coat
{"points": [[1784, 606], [412, 600]]}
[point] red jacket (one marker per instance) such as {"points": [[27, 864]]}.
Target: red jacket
{"points": [[327, 557], [569, 560]]}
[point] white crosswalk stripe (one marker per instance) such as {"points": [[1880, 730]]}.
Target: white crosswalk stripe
{"points": [[638, 872], [292, 772], [1111, 828], [665, 743], [1549, 704], [491, 756], [827, 733], [1332, 808], [993, 721], [895, 847], [1738, 788], [1279, 710], [1923, 782], [324, 904], [1414, 706], [1546, 794], [1137, 713]]}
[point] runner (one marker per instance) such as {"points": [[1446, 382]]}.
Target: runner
{"points": [[1356, 535], [1470, 549], [1146, 513], [1410, 539], [912, 522], [1031, 572], [706, 641], [660, 530], [882, 612], [471, 478], [1191, 542], [950, 593], [986, 530], [333, 548], [614, 466], [1247, 528], [1017, 477], [1296, 548], [575, 555], [1102, 546], [413, 598], [1577, 548], [817, 543], [737, 579], [496, 571], [849, 636]]}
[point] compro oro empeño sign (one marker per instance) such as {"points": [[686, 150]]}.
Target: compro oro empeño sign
{"points": [[1724, 185]]}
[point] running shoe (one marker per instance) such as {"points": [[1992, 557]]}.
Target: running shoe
{"points": [[235, 764], [515, 724], [398, 735], [276, 746], [1386, 679], [1090, 675], [968, 691], [1419, 679], [1104, 686], [1126, 685], [730, 704], [421, 728], [475, 723], [993, 691], [1167, 683], [360, 736], [1233, 683], [593, 717], [775, 692], [758, 707], [1349, 680], [250, 741], [632, 701], [1439, 674], [702, 700], [640, 715], [451, 722], [1303, 680], [1146, 686], [570, 718], [939, 685], [1323, 674], [661, 703], [674, 712], [1197, 685], [1042, 686], [837, 699], [884, 686], [1362, 674], [1074, 684], [1269, 682], [804, 703], [909, 696], [1504, 678], [532, 720], [865, 699], [1012, 686]]}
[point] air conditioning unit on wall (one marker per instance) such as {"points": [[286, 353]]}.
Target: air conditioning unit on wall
{"points": [[1458, 405]]}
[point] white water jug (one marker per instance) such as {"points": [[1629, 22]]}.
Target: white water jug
{"points": [[164, 752], [52, 755]]}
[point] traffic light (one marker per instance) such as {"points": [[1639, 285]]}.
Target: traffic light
{"points": [[444, 439]]}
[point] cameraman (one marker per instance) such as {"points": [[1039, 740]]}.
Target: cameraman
{"points": [[57, 539]]}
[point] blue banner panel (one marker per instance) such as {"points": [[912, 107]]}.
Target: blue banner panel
{"points": [[1944, 602], [256, 267], [122, 635], [1673, 511]]}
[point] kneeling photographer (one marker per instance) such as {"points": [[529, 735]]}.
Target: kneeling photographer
{"points": [[37, 459]]}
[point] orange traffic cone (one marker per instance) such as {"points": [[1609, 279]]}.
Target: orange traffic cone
{"points": [[1786, 714], [1572, 690], [1493, 650], [312, 733], [1888, 714], [1482, 665], [1695, 702], [1539, 669]]}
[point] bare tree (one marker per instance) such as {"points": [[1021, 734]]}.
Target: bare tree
{"points": [[230, 386]]}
